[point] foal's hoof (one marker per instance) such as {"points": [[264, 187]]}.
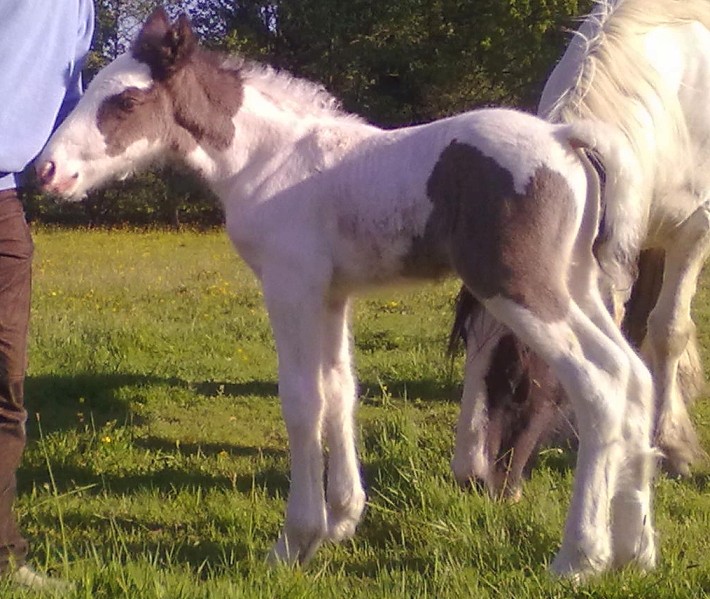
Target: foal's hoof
{"points": [[465, 474], [289, 553], [512, 493], [505, 486], [578, 565], [344, 516]]}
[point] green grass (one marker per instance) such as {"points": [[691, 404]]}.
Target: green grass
{"points": [[157, 465]]}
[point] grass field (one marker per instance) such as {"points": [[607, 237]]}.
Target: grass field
{"points": [[157, 465]]}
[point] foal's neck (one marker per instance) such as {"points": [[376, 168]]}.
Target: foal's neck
{"points": [[276, 145]]}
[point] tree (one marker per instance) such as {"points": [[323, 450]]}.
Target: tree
{"points": [[396, 63], [406, 61]]}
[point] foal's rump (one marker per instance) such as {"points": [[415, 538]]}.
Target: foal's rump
{"points": [[494, 185], [524, 402]]}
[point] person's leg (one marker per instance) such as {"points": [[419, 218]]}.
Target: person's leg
{"points": [[16, 250]]}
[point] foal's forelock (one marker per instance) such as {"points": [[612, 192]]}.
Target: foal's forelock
{"points": [[193, 106]]}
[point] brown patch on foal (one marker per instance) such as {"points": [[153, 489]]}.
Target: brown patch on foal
{"points": [[192, 101], [130, 116], [502, 242]]}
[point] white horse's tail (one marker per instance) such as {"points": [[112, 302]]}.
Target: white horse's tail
{"points": [[623, 213]]}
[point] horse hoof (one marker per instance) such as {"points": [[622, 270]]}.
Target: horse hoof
{"points": [[678, 458], [512, 494], [290, 553], [579, 565], [344, 517], [472, 484], [679, 446]]}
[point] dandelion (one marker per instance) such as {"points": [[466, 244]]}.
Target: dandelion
{"points": [[106, 439]]}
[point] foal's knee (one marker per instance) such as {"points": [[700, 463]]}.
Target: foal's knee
{"points": [[302, 404]]}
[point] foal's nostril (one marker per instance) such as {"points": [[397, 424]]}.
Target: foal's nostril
{"points": [[46, 172]]}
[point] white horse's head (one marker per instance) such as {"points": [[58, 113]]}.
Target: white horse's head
{"points": [[164, 97]]}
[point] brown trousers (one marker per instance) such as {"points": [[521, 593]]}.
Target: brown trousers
{"points": [[16, 250]]}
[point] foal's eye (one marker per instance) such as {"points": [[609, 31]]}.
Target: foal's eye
{"points": [[128, 99], [127, 103]]}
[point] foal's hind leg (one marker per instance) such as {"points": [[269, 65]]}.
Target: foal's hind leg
{"points": [[595, 374], [632, 529], [345, 495], [669, 329]]}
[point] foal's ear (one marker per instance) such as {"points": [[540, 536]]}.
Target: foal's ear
{"points": [[164, 48], [156, 25]]}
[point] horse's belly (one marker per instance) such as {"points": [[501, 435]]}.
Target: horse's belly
{"points": [[373, 256]]}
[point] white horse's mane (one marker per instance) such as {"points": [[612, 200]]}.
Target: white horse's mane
{"points": [[614, 80], [300, 96]]}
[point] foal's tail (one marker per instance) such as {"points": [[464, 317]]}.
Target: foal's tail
{"points": [[615, 190], [615, 200]]}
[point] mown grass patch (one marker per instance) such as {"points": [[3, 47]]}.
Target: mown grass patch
{"points": [[158, 466]]}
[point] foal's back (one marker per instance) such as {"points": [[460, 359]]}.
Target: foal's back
{"points": [[402, 194]]}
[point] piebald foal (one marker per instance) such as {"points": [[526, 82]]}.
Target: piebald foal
{"points": [[321, 204]]}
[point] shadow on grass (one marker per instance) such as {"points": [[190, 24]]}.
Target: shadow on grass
{"points": [[425, 389], [254, 388], [165, 545], [272, 480], [62, 400], [66, 403]]}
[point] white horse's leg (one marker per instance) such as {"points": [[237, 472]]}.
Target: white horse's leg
{"points": [[471, 460], [345, 495], [669, 329], [595, 374], [297, 317]]}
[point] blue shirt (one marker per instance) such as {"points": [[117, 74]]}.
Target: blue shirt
{"points": [[43, 45]]}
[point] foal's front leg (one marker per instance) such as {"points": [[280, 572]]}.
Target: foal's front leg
{"points": [[296, 310]]}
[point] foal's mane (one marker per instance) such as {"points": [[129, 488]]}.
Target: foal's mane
{"points": [[614, 80], [299, 96]]}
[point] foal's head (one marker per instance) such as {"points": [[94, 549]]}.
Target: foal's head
{"points": [[523, 413], [522, 409], [166, 96]]}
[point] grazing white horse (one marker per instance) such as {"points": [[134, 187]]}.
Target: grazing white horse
{"points": [[643, 68], [321, 204]]}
